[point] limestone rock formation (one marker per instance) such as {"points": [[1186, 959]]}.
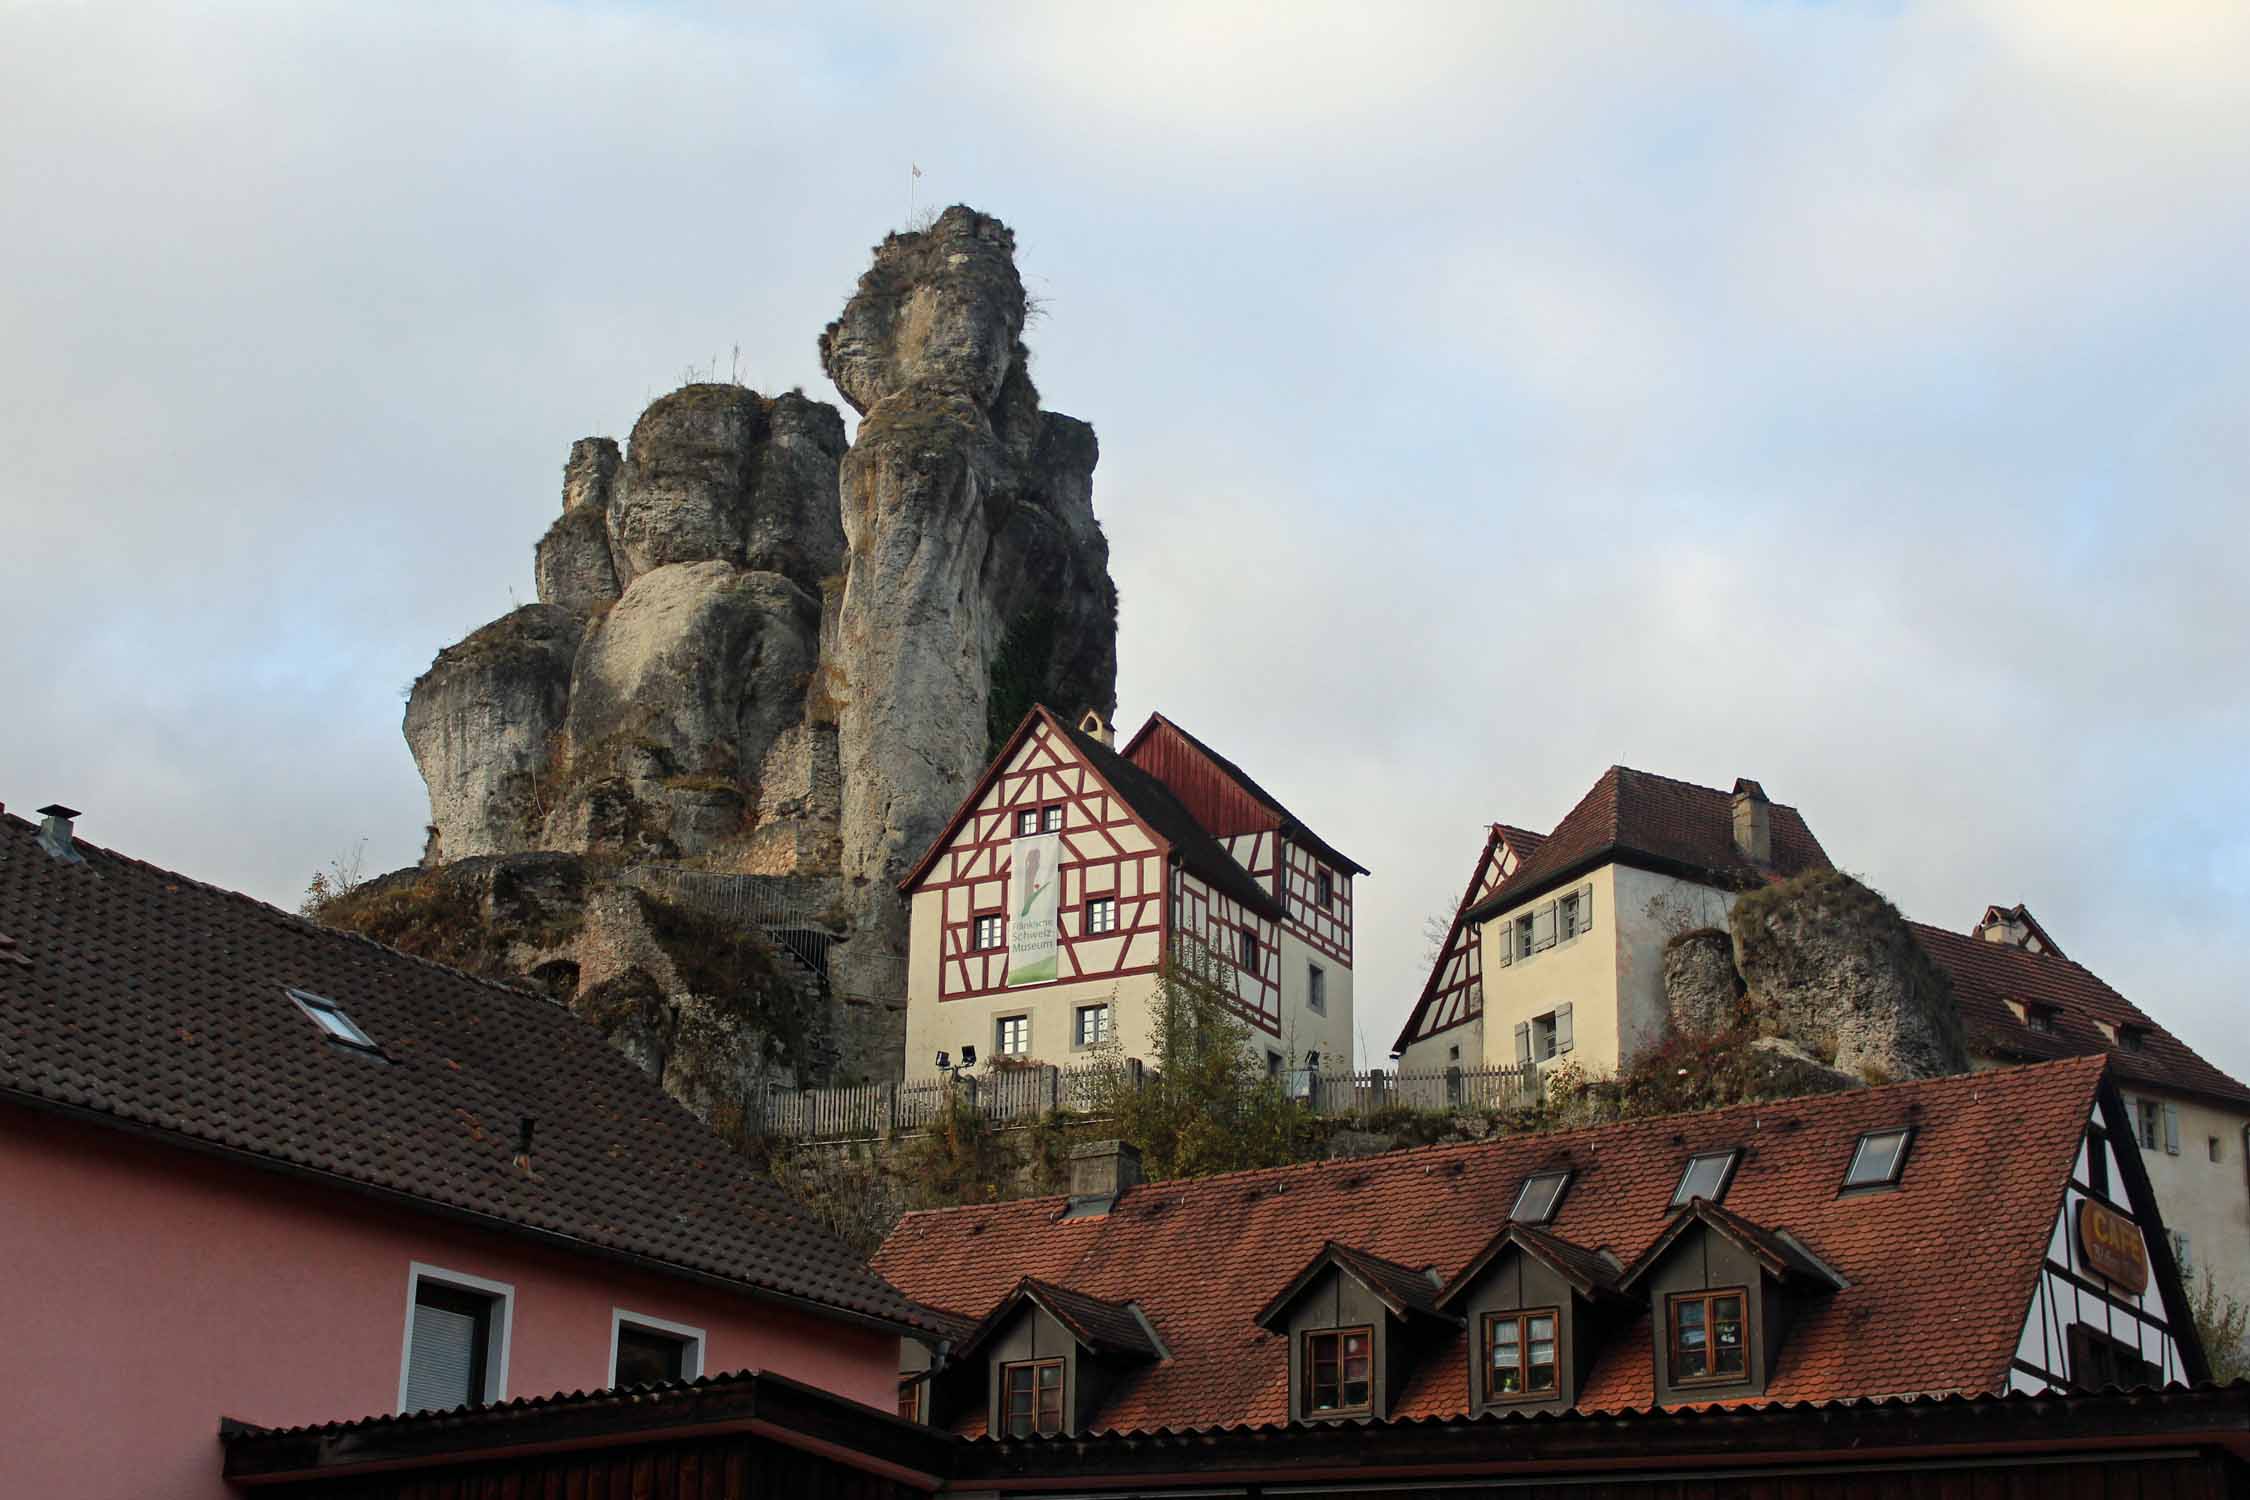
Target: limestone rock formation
{"points": [[969, 517], [1829, 975], [778, 657]]}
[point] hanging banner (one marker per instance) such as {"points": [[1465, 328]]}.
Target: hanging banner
{"points": [[1034, 897]]}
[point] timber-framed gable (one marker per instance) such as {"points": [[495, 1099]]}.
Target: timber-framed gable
{"points": [[1453, 995]]}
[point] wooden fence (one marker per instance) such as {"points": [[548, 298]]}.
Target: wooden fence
{"points": [[874, 1110]]}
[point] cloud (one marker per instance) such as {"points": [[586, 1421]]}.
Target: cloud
{"points": [[1846, 396]]}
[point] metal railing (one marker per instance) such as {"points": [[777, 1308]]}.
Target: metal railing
{"points": [[874, 1110]]}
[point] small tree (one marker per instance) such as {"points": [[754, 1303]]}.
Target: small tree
{"points": [[1212, 1106], [2222, 1321], [345, 874]]}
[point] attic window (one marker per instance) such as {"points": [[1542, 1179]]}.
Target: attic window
{"points": [[1706, 1176], [2042, 1018], [2132, 1038], [1537, 1199], [330, 1018], [1877, 1159]]}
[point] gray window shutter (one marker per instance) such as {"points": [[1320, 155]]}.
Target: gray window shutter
{"points": [[1523, 1044], [1543, 927], [1586, 907], [2172, 1129], [1562, 1028], [441, 1360], [1507, 943]]}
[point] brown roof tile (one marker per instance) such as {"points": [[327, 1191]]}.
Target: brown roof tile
{"points": [[155, 1001], [1964, 1231]]}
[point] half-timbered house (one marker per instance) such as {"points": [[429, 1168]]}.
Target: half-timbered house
{"points": [[1046, 909]]}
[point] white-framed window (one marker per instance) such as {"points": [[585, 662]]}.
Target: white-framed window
{"points": [[1011, 1036], [2158, 1125], [1027, 821], [455, 1349], [1520, 935], [1545, 1037], [1101, 914], [989, 931], [1324, 890], [1316, 988], [1091, 1026], [646, 1351], [1050, 819]]}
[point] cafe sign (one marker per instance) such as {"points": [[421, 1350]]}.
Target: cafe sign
{"points": [[2111, 1245]]}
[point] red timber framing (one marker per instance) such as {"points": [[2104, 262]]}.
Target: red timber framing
{"points": [[1219, 921], [1257, 832], [1453, 995], [1109, 854]]}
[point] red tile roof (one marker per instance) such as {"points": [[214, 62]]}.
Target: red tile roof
{"points": [[149, 1000], [1963, 1233], [1139, 750], [1987, 975], [1637, 816]]}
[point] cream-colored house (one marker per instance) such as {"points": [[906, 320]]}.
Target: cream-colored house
{"points": [[1558, 949], [1044, 913], [1556, 952]]}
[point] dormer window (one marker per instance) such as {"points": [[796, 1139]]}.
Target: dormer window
{"points": [[2132, 1038], [2044, 1019], [1539, 1197], [1520, 1354], [1877, 1159], [1709, 1342], [1340, 1372], [1031, 1393], [1706, 1176]]}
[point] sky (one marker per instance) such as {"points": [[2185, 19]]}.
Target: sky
{"points": [[1847, 396]]}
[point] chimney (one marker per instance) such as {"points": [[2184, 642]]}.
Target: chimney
{"points": [[1100, 1172], [1091, 722], [56, 835], [1753, 822]]}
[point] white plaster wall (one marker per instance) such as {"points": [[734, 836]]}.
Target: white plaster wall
{"points": [[1302, 1028], [2208, 1200]]}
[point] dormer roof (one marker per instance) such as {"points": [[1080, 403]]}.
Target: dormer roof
{"points": [[1102, 1327], [1403, 1291], [1590, 1273], [1673, 827], [1778, 1252]]}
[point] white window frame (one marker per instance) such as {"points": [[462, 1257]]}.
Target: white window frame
{"points": [[1027, 822], [691, 1363], [1097, 907], [503, 1326], [1078, 1042], [999, 1024]]}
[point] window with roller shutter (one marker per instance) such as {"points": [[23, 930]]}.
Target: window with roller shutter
{"points": [[456, 1342]]}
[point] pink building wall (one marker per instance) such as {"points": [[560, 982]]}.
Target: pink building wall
{"points": [[151, 1290]]}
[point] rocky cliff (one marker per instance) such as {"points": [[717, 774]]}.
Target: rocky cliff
{"points": [[764, 653]]}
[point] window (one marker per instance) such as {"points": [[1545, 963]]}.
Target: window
{"points": [[1250, 952], [2042, 1018], [1339, 1371], [1274, 1063], [1092, 1027], [456, 1340], [910, 1397], [1324, 890], [990, 931], [2098, 1361], [1031, 1395], [1011, 1036], [1523, 935], [1706, 1177], [1539, 1196], [2214, 1147], [1707, 1337], [1543, 1037], [2097, 1162], [330, 1018], [2183, 1252], [1101, 914], [1566, 917], [2158, 1125], [1519, 1355], [1027, 822], [1316, 988], [1877, 1158], [2133, 1038], [1050, 819], [645, 1351]]}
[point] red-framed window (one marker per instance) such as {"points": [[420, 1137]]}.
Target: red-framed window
{"points": [[1520, 1354], [1101, 914], [1710, 1343], [1339, 1371], [1031, 1397]]}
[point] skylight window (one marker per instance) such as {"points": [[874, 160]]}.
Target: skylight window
{"points": [[1539, 1196], [1878, 1158], [1706, 1177], [330, 1018]]}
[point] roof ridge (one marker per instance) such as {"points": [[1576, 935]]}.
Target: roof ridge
{"points": [[1691, 785], [298, 919]]}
